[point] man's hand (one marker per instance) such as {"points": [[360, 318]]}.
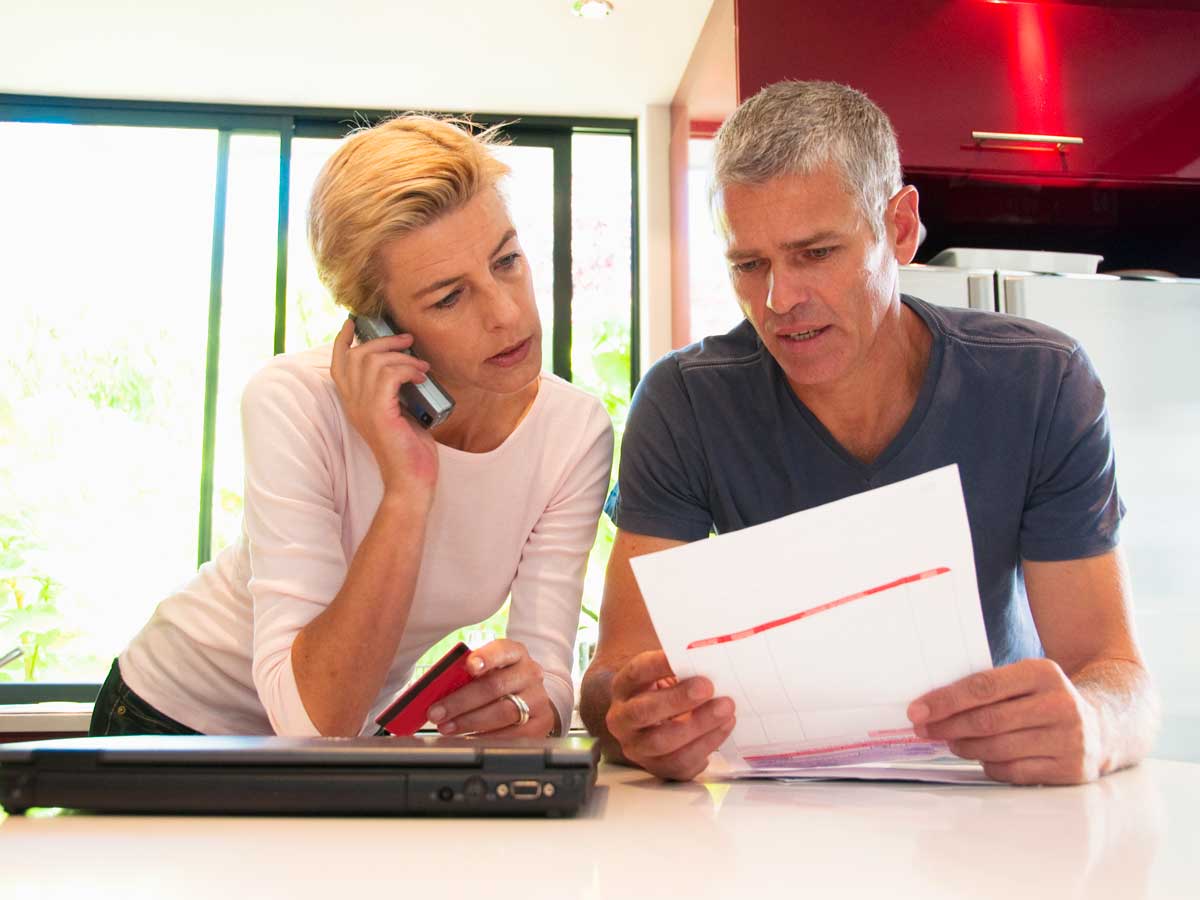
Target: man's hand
{"points": [[666, 726], [1026, 722]]}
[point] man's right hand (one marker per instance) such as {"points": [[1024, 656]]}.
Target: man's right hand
{"points": [[666, 726]]}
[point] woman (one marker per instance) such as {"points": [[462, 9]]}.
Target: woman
{"points": [[365, 537]]}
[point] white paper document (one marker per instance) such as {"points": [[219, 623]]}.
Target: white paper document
{"points": [[939, 770], [824, 625]]}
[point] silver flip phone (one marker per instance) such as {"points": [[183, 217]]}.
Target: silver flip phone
{"points": [[426, 402]]}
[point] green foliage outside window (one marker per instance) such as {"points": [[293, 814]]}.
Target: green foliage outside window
{"points": [[29, 616], [102, 378]]}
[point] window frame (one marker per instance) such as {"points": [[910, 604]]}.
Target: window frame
{"points": [[554, 132]]}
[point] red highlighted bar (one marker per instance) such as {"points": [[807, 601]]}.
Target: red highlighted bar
{"points": [[897, 741], [804, 614]]}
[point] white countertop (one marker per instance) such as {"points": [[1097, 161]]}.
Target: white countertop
{"points": [[1133, 834], [45, 717]]}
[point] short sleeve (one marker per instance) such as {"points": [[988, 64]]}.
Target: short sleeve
{"points": [[662, 484], [1072, 508]]}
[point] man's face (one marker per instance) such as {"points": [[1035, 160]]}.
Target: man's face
{"points": [[810, 275]]}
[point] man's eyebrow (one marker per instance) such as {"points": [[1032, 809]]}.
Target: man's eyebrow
{"points": [[446, 282], [821, 237]]}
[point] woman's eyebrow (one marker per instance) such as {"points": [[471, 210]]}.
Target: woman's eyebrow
{"points": [[508, 236], [446, 282], [438, 285]]}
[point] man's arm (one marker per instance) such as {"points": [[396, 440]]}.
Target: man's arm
{"points": [[1087, 709], [630, 698]]}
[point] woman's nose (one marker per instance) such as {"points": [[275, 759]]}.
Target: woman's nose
{"points": [[503, 308]]}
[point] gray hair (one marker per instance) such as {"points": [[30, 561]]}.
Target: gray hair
{"points": [[795, 127]]}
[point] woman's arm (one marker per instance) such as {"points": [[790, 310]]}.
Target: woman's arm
{"points": [[326, 628], [342, 657], [534, 661], [548, 586]]}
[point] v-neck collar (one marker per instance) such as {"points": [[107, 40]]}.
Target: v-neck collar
{"points": [[912, 424]]}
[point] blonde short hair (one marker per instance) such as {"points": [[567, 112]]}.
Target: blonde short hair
{"points": [[385, 181]]}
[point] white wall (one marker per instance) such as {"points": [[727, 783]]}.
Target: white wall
{"points": [[654, 245], [515, 56]]}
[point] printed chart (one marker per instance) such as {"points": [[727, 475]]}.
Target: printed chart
{"points": [[824, 625], [796, 702]]}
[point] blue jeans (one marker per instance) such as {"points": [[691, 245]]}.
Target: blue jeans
{"points": [[119, 710]]}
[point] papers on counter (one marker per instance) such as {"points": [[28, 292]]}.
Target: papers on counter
{"points": [[939, 770], [824, 625]]}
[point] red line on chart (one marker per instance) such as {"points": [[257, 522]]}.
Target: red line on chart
{"points": [[897, 741], [824, 607]]}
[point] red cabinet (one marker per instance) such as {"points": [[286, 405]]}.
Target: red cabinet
{"points": [[1124, 78]]}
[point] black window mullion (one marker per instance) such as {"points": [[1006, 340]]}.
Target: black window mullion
{"points": [[216, 276], [563, 276], [635, 306]]}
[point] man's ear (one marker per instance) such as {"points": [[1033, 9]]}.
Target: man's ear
{"points": [[903, 220]]}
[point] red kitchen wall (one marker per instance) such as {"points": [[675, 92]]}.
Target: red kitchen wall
{"points": [[1125, 79]]}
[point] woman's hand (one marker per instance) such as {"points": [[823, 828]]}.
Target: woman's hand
{"points": [[368, 379], [500, 669]]}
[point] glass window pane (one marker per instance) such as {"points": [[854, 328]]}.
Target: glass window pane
{"points": [[312, 317], [105, 245], [529, 190], [247, 313], [601, 254], [713, 307]]}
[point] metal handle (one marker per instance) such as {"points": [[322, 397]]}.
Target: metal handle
{"points": [[11, 656], [1058, 140]]}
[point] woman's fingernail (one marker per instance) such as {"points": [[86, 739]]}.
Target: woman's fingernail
{"points": [[475, 665], [437, 713], [448, 728], [697, 690]]}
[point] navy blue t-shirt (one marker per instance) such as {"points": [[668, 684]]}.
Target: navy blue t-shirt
{"points": [[717, 440]]}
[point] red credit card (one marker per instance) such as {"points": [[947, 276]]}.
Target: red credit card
{"points": [[410, 710]]}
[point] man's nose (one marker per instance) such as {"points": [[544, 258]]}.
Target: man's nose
{"points": [[784, 291]]}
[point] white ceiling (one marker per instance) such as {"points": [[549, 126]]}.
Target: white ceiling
{"points": [[519, 56]]}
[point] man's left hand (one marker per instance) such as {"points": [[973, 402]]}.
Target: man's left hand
{"points": [[1026, 722]]}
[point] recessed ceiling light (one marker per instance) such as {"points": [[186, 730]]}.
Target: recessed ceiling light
{"points": [[592, 9]]}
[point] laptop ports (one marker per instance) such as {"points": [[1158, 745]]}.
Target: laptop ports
{"points": [[526, 790]]}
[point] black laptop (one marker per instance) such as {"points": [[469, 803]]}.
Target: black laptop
{"points": [[296, 776]]}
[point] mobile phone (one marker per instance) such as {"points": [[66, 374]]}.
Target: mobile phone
{"points": [[426, 402], [410, 710]]}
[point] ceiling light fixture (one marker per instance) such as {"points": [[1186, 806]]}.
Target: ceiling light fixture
{"points": [[592, 9]]}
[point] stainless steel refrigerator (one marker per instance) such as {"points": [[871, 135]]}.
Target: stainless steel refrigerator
{"points": [[1140, 334]]}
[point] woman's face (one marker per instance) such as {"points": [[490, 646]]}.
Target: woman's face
{"points": [[462, 287]]}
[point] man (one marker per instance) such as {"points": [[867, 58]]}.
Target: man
{"points": [[835, 384]]}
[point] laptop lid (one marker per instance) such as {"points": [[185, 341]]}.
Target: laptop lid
{"points": [[280, 775]]}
